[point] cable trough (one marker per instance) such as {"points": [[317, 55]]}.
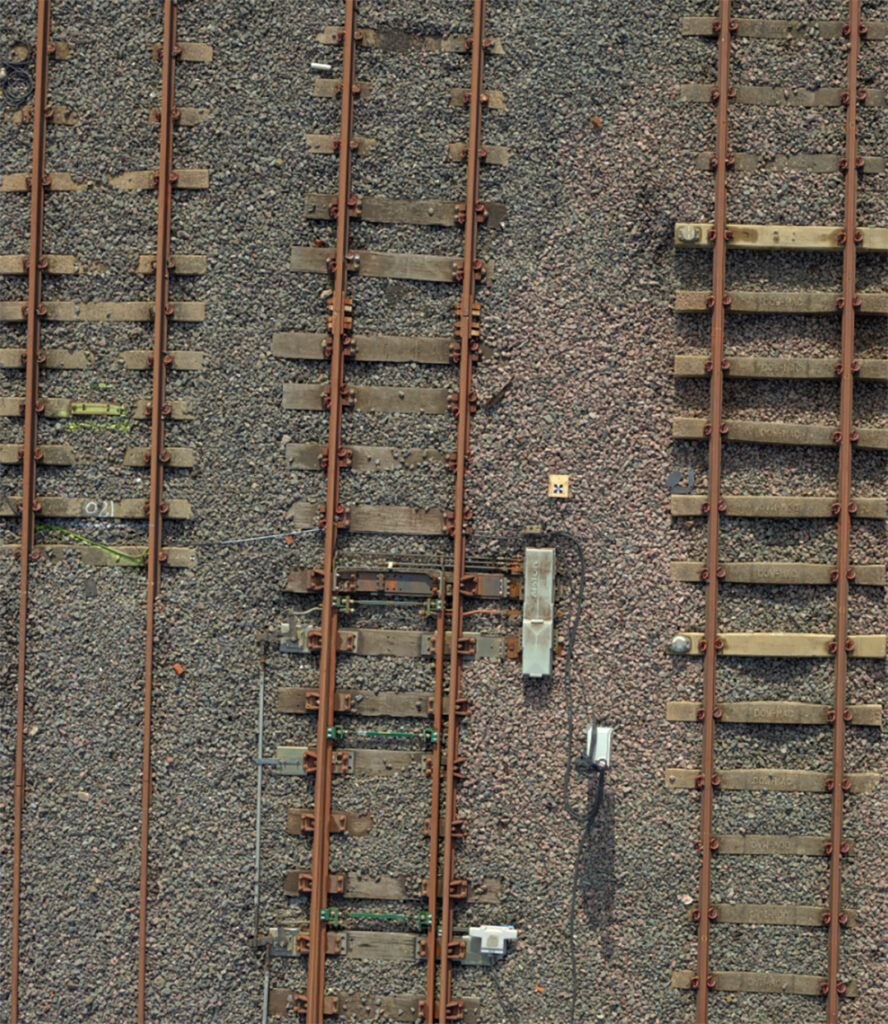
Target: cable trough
{"points": [[709, 976]]}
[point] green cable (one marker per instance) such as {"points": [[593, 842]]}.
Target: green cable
{"points": [[132, 559]]}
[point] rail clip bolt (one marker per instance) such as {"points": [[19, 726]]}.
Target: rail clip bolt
{"points": [[701, 714], [726, 365], [720, 572], [849, 645], [860, 163], [827, 849], [838, 369], [848, 715], [831, 716], [718, 643], [717, 713], [729, 236], [713, 913], [711, 235], [706, 508], [716, 780], [835, 508], [707, 366], [696, 915], [713, 845], [852, 509], [862, 29], [837, 437], [844, 849], [826, 919], [846, 785], [726, 300], [829, 786], [841, 988], [834, 576], [824, 988], [841, 238], [710, 982], [699, 782], [701, 646], [846, 98], [846, 30], [851, 575], [843, 919], [723, 428], [704, 575], [723, 506], [695, 983], [707, 429], [715, 95], [710, 302], [858, 236]]}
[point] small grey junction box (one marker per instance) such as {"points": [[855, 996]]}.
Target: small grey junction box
{"points": [[539, 599]]}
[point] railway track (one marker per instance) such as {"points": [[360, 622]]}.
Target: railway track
{"points": [[437, 585], [845, 505], [34, 408]]}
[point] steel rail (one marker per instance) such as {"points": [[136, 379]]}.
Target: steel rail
{"points": [[30, 456], [339, 329], [716, 389], [843, 560], [162, 313], [435, 817], [468, 315]]}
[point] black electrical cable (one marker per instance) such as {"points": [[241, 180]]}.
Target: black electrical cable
{"points": [[591, 815], [573, 813], [508, 1009]]}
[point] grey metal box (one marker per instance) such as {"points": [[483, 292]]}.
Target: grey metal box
{"points": [[539, 597]]}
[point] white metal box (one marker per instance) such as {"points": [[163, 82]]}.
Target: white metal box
{"points": [[539, 598]]}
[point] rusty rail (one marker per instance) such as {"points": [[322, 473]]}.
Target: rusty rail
{"points": [[435, 817], [158, 455], [30, 456], [468, 328], [843, 562], [834, 917], [717, 302], [339, 329]]}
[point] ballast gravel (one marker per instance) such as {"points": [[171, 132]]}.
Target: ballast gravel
{"points": [[582, 332]]}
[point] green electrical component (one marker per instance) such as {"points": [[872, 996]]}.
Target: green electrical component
{"points": [[96, 409], [423, 919], [331, 916], [343, 603], [335, 732], [430, 735]]}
